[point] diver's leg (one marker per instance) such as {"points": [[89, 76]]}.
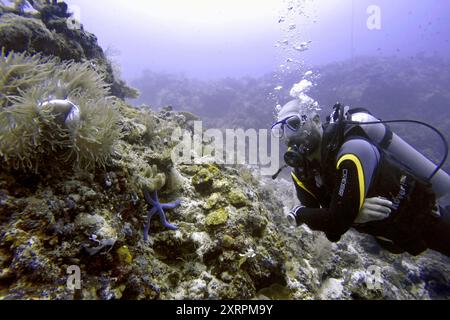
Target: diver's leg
{"points": [[438, 234]]}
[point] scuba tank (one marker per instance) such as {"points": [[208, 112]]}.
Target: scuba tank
{"points": [[379, 133]]}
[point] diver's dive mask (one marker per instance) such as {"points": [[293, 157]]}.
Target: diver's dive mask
{"points": [[293, 123], [298, 132]]}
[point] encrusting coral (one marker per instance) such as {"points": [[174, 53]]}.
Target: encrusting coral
{"points": [[53, 110]]}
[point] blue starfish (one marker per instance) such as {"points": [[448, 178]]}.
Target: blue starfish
{"points": [[158, 208]]}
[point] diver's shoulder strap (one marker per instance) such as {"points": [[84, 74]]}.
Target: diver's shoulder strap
{"points": [[336, 134]]}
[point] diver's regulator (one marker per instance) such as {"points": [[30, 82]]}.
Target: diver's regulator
{"points": [[294, 157]]}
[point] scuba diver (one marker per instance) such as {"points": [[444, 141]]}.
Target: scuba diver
{"points": [[354, 172]]}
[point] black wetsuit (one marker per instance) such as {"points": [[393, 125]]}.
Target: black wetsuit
{"points": [[334, 191]]}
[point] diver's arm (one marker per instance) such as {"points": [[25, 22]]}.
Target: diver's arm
{"points": [[344, 208], [356, 165]]}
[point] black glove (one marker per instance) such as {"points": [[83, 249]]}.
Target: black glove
{"points": [[293, 216]]}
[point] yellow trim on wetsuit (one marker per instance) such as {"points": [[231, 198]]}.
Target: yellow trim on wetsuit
{"points": [[301, 185], [362, 188]]}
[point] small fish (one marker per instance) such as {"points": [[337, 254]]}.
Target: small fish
{"points": [[65, 110]]}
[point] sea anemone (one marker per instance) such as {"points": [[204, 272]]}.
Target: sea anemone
{"points": [[55, 111]]}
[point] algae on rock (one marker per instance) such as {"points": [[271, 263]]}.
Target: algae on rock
{"points": [[203, 179], [217, 217]]}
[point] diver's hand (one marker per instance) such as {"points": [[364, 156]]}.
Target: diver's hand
{"points": [[292, 216], [374, 209]]}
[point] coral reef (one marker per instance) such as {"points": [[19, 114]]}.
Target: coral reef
{"points": [[94, 221]]}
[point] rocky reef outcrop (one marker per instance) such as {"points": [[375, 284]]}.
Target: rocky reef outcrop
{"points": [[51, 31]]}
